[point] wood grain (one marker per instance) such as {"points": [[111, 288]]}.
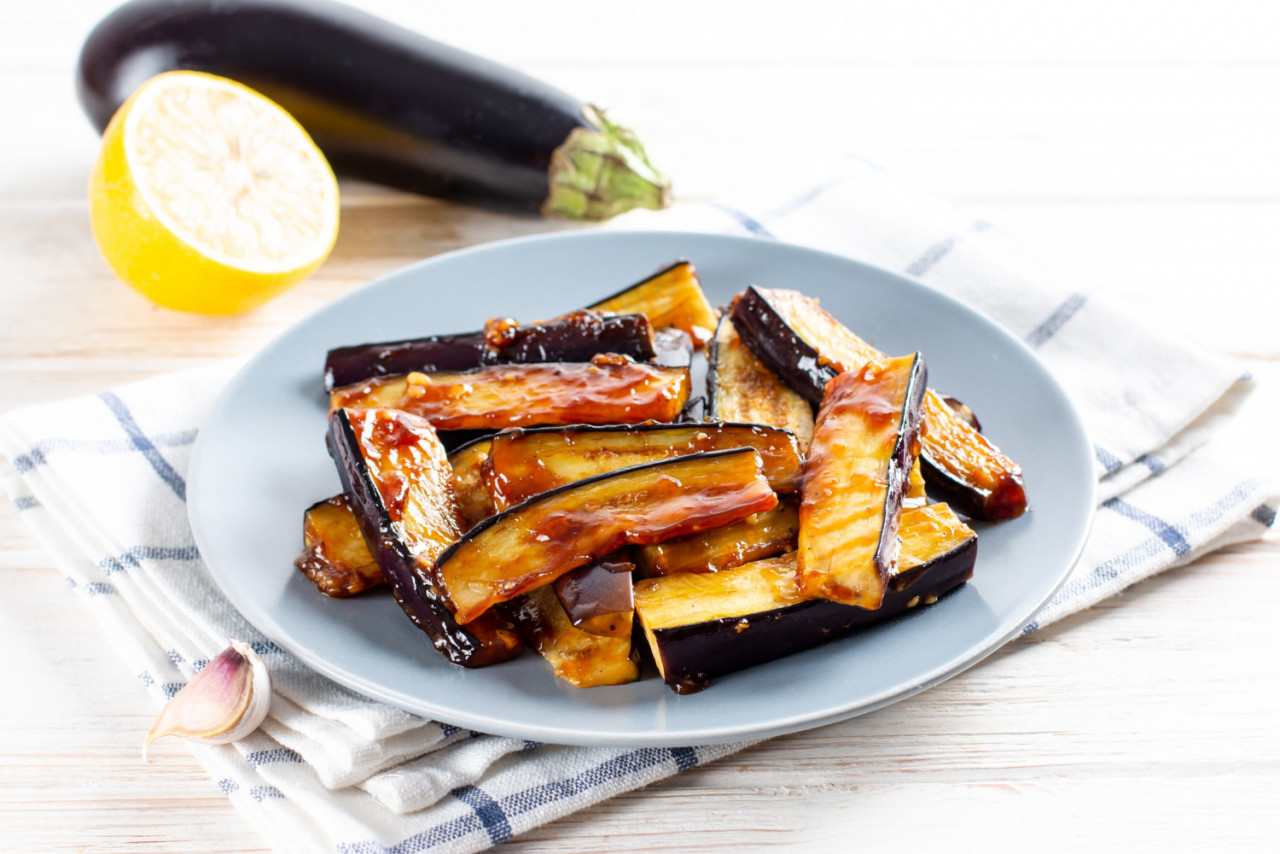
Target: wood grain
{"points": [[1131, 146]]}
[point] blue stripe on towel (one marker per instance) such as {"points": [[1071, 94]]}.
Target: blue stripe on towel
{"points": [[1055, 321], [25, 502], [1170, 534], [749, 223], [130, 559], [942, 249], [1264, 514], [1108, 460], [38, 454], [487, 810], [145, 445], [685, 757]]}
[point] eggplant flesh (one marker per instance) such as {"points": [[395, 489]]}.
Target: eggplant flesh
{"points": [[754, 538], [521, 395], [523, 463], [597, 597], [396, 476], [671, 297], [582, 659], [335, 557], [792, 335], [856, 476], [701, 626], [740, 388], [575, 337], [383, 103], [467, 463], [532, 544]]}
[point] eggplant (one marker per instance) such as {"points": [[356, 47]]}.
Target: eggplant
{"points": [[865, 443], [383, 103], [575, 337], [754, 538], [740, 388], [597, 597], [519, 395], [703, 625], [396, 476], [335, 557], [671, 297], [467, 461], [805, 346], [532, 544], [580, 658], [523, 463]]}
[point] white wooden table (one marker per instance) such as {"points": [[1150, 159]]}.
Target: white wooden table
{"points": [[1132, 145]]}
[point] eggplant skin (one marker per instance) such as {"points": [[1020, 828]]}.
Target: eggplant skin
{"points": [[383, 103], [575, 337]]}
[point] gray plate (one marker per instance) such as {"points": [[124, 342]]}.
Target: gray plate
{"points": [[260, 460]]}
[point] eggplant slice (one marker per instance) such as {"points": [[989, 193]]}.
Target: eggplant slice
{"points": [[597, 597], [580, 658], [396, 476], [334, 555], [523, 463], [741, 389], [575, 337], [703, 625], [522, 395], [756, 537], [534, 543], [864, 446], [467, 462], [670, 297], [805, 346]]}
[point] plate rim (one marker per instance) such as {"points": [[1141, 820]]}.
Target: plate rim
{"points": [[371, 689]]}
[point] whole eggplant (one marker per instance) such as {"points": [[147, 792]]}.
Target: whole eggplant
{"points": [[383, 103]]}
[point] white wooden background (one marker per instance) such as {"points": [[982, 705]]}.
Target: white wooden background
{"points": [[1135, 146]]}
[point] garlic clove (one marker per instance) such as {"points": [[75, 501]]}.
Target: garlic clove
{"points": [[222, 703]]}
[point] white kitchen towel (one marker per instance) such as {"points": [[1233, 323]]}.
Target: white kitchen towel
{"points": [[101, 481]]}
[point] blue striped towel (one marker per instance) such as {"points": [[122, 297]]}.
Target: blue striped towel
{"points": [[332, 770]]}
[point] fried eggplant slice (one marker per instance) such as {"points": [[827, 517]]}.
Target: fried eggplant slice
{"points": [[741, 389], [397, 478], [597, 597], [575, 337], [467, 461], [703, 625], [523, 463], [578, 657], [334, 555], [864, 444], [523, 395], [534, 543], [805, 346], [670, 297], [754, 538]]}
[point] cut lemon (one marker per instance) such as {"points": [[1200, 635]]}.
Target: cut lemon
{"points": [[209, 197]]}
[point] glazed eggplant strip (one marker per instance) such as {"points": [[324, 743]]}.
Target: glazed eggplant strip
{"points": [[580, 658], [855, 478], [703, 625], [597, 597], [334, 555], [575, 337], [532, 544], [806, 347], [740, 388], [521, 395], [670, 297], [755, 537], [467, 462], [396, 476], [523, 463]]}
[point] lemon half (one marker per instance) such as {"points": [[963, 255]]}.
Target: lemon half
{"points": [[208, 197]]}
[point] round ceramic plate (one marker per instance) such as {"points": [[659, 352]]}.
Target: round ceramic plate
{"points": [[260, 460]]}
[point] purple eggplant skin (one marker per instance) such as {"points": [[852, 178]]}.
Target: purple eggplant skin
{"points": [[414, 591], [767, 335], [595, 591], [576, 337], [383, 103], [695, 654]]}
